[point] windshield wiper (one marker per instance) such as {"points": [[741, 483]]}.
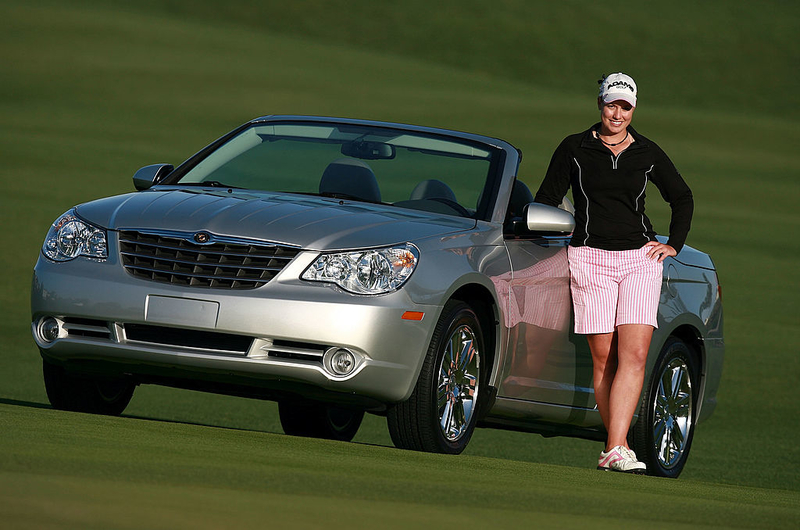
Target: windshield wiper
{"points": [[211, 184]]}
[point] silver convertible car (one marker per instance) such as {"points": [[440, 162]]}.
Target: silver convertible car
{"points": [[342, 266]]}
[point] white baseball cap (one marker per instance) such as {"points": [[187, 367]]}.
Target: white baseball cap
{"points": [[618, 86]]}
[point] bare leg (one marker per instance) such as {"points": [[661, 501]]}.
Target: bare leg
{"points": [[619, 360], [604, 364], [633, 344]]}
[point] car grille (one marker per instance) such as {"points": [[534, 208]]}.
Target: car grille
{"points": [[222, 264], [186, 338], [213, 342]]}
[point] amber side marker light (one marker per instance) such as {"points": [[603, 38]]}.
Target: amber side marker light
{"points": [[413, 315]]}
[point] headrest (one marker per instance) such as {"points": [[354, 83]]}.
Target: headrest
{"points": [[520, 196], [432, 189], [349, 177]]}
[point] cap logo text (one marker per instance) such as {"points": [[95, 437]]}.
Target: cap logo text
{"points": [[622, 84]]}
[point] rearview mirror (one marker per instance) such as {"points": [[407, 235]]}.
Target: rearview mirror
{"points": [[544, 219], [368, 150], [148, 176]]}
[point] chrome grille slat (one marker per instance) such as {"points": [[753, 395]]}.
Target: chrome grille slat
{"points": [[200, 276], [174, 258], [297, 351], [203, 249], [205, 263], [87, 328], [92, 329], [292, 351]]}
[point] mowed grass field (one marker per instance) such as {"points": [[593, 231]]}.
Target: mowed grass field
{"points": [[91, 90]]}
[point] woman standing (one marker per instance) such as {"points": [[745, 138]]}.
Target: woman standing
{"points": [[614, 258]]}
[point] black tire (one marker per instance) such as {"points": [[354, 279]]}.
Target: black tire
{"points": [[447, 392], [108, 396], [319, 420], [662, 436]]}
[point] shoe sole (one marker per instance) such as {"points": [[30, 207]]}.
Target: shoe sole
{"points": [[631, 472]]}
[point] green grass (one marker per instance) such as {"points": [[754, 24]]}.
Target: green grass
{"points": [[98, 472], [718, 54], [90, 91]]}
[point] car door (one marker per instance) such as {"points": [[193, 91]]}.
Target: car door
{"points": [[547, 362]]}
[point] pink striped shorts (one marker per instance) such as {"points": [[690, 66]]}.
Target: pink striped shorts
{"points": [[611, 288]]}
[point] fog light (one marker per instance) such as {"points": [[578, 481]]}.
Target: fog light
{"points": [[343, 362], [49, 329]]}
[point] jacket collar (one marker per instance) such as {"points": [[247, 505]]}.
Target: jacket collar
{"points": [[589, 141]]}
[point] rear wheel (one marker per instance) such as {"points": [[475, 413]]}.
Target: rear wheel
{"points": [[441, 413], [662, 437], [319, 420], [76, 393]]}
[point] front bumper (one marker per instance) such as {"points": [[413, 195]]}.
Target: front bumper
{"points": [[279, 336]]}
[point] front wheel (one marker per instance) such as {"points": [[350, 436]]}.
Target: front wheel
{"points": [[86, 394], [319, 420], [662, 437], [441, 413]]}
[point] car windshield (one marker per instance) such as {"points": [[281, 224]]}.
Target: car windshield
{"points": [[380, 165]]}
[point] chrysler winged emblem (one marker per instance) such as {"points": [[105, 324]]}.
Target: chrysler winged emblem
{"points": [[202, 237]]}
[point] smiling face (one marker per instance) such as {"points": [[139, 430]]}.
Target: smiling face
{"points": [[615, 117]]}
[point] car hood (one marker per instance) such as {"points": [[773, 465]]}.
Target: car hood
{"points": [[315, 223]]}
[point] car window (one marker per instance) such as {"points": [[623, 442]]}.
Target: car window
{"points": [[408, 170]]}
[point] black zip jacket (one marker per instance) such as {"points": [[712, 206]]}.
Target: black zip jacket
{"points": [[609, 191]]}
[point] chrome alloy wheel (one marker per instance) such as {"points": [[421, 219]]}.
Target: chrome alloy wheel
{"points": [[441, 414], [673, 410], [458, 383]]}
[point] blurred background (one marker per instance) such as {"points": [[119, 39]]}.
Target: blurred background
{"points": [[91, 90]]}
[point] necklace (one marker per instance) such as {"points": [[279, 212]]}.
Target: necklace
{"points": [[613, 145]]}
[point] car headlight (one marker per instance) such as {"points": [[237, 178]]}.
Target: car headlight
{"points": [[70, 237], [374, 271]]}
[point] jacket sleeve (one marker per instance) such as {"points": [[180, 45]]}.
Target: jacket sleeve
{"points": [[676, 192], [557, 179]]}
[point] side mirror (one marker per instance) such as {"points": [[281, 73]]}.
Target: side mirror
{"points": [[543, 219], [149, 176]]}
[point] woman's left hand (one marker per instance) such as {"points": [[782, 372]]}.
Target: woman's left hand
{"points": [[659, 251]]}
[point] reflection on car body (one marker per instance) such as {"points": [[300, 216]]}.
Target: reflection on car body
{"points": [[535, 329], [344, 266]]}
